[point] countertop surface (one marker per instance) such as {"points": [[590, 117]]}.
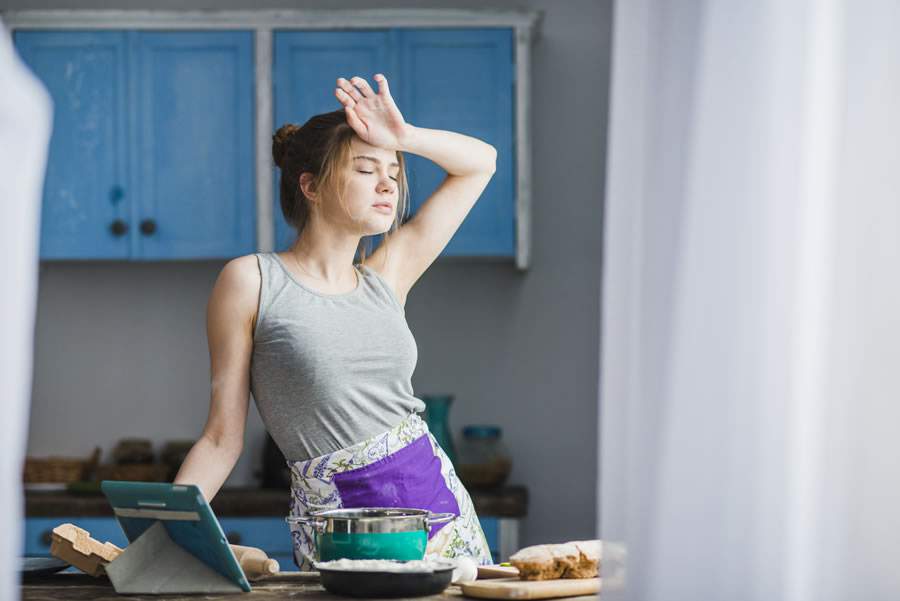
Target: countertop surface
{"points": [[505, 501], [293, 585]]}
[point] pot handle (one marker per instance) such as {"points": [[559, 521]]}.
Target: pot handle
{"points": [[439, 518], [315, 522]]}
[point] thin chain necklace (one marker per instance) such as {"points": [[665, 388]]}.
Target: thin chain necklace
{"points": [[294, 256]]}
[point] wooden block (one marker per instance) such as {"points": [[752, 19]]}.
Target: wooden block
{"points": [[75, 546]]}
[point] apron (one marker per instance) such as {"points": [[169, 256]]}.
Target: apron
{"points": [[403, 467]]}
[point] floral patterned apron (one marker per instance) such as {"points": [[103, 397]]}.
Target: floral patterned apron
{"points": [[403, 467]]}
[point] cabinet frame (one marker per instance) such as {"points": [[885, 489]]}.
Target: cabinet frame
{"points": [[525, 24]]}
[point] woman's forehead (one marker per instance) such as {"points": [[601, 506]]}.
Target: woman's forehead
{"points": [[367, 151]]}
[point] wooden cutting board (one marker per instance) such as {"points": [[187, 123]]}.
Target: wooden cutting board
{"points": [[514, 588]]}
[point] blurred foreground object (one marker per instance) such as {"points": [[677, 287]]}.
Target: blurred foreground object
{"points": [[25, 126], [750, 330]]}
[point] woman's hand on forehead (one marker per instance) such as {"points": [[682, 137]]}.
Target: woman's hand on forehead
{"points": [[374, 116]]}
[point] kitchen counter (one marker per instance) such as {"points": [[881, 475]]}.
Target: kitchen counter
{"points": [[506, 501], [295, 585], [81, 587]]}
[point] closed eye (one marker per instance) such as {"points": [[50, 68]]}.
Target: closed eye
{"points": [[370, 172]]}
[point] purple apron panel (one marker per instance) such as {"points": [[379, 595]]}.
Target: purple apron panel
{"points": [[410, 477]]}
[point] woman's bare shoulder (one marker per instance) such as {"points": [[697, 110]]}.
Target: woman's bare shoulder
{"points": [[237, 286]]}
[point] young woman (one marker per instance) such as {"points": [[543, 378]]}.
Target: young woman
{"points": [[322, 341]]}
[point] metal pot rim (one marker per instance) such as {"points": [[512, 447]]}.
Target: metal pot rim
{"points": [[379, 513]]}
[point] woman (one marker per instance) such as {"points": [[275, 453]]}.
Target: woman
{"points": [[322, 342]]}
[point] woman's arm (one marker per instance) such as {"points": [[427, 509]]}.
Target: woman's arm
{"points": [[458, 154], [230, 319], [469, 162]]}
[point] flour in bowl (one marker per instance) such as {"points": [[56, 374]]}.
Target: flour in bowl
{"points": [[385, 565]]}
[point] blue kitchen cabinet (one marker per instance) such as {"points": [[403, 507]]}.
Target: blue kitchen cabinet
{"points": [[151, 155], [194, 135], [455, 79], [85, 202], [462, 80]]}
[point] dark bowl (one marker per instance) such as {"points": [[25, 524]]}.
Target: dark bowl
{"points": [[385, 584]]}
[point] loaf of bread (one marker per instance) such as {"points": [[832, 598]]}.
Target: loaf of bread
{"points": [[575, 559]]}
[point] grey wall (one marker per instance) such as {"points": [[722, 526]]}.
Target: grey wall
{"points": [[121, 347]]}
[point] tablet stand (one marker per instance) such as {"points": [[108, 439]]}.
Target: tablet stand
{"points": [[155, 564]]}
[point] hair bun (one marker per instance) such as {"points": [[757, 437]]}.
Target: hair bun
{"points": [[280, 141]]}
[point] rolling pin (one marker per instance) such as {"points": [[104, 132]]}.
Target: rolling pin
{"points": [[255, 563]]}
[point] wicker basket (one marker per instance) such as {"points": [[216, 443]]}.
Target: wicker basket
{"points": [[134, 472], [53, 469], [58, 469]]}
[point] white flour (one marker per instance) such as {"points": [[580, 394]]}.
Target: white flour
{"points": [[384, 565]]}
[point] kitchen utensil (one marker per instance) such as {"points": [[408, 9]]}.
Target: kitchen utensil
{"points": [[513, 588], [353, 583], [371, 532], [255, 563]]}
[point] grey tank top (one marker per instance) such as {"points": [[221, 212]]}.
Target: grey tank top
{"points": [[329, 371]]}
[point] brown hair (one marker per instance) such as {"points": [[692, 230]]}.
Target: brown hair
{"points": [[322, 147]]}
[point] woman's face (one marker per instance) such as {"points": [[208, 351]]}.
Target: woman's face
{"points": [[371, 193]]}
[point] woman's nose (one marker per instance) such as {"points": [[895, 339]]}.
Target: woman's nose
{"points": [[386, 185]]}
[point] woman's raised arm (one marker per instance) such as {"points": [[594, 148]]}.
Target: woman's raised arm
{"points": [[470, 164]]}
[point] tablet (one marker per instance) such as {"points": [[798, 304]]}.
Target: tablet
{"points": [[187, 517]]}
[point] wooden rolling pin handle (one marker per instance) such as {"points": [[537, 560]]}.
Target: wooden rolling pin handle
{"points": [[263, 567], [255, 563]]}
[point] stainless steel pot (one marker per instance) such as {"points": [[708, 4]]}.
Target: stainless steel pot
{"points": [[371, 532], [371, 519]]}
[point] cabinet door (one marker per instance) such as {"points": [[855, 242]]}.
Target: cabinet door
{"points": [[462, 80], [305, 71], [85, 188], [194, 144]]}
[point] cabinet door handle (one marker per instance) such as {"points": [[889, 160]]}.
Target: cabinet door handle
{"points": [[233, 537], [148, 227], [118, 228]]}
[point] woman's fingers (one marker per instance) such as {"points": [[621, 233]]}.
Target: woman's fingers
{"points": [[344, 98], [348, 89], [382, 84], [363, 86], [355, 122]]}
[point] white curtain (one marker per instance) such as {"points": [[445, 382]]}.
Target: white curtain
{"points": [[25, 121], [750, 378]]}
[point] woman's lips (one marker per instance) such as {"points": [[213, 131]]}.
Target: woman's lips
{"points": [[384, 208]]}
